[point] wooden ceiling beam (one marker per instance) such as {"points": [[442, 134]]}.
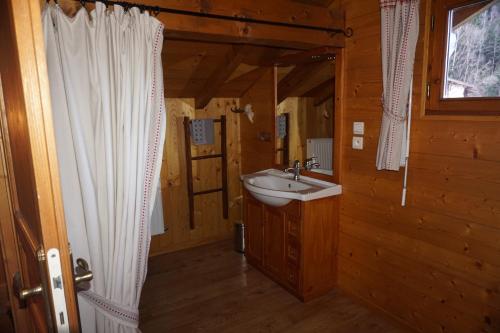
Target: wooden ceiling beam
{"points": [[279, 11], [262, 56], [213, 30], [289, 83], [326, 94], [179, 26], [231, 61], [196, 65], [322, 3], [313, 55], [238, 86], [320, 100], [321, 89]]}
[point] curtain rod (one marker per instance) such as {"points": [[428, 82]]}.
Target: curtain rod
{"points": [[155, 10]]}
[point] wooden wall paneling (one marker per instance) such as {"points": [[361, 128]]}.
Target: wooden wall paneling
{"points": [[210, 224], [433, 264], [437, 303], [257, 138], [461, 296]]}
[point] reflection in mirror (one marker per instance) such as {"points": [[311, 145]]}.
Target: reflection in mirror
{"points": [[305, 115]]}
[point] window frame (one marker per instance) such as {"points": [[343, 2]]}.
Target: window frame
{"points": [[435, 103]]}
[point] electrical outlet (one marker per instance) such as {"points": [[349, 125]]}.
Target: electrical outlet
{"points": [[358, 128], [357, 142]]}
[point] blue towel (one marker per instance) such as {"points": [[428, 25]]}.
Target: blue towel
{"points": [[281, 126], [202, 131]]}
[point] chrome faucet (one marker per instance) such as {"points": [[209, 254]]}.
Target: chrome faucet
{"points": [[311, 163], [295, 169]]}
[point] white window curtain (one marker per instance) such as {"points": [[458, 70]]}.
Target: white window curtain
{"points": [[399, 28], [106, 82]]}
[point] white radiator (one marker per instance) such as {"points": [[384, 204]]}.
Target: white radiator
{"points": [[322, 149]]}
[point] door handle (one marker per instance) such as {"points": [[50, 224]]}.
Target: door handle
{"points": [[83, 274], [23, 294]]}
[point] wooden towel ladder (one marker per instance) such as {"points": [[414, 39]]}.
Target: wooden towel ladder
{"points": [[189, 169]]}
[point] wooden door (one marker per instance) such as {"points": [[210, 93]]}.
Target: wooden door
{"points": [[274, 241], [34, 242], [254, 234]]}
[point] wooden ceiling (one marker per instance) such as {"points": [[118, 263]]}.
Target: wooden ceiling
{"points": [[203, 70], [205, 58], [321, 3], [191, 67]]}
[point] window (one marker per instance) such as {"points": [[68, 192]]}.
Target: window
{"points": [[465, 58]]}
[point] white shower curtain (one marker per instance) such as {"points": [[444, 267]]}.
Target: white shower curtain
{"points": [[399, 23], [106, 84]]}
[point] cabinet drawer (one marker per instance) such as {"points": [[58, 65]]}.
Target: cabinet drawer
{"points": [[293, 250], [292, 276]]}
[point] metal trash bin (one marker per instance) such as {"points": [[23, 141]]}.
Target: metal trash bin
{"points": [[239, 237]]}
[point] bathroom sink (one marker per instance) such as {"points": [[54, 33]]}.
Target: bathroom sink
{"points": [[277, 188]]}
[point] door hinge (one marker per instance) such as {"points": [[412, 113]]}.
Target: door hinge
{"points": [[428, 90], [433, 22]]}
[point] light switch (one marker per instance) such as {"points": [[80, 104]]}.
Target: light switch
{"points": [[358, 128], [357, 142]]}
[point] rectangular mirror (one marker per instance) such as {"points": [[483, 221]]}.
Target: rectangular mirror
{"points": [[305, 114]]}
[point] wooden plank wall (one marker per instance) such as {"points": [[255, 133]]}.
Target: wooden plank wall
{"points": [[210, 224], [257, 138], [434, 264]]}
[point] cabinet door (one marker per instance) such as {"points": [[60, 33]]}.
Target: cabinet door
{"points": [[254, 229], [274, 242]]}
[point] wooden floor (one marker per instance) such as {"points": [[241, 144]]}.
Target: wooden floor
{"points": [[212, 289]]}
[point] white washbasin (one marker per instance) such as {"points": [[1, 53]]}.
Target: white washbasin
{"points": [[277, 188]]}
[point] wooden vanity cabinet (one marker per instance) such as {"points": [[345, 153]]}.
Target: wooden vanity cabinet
{"points": [[295, 245]]}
